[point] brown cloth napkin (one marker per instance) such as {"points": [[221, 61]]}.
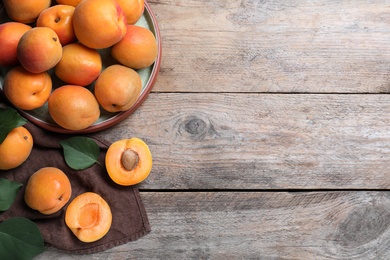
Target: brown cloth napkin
{"points": [[129, 219]]}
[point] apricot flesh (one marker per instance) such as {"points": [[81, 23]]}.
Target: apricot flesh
{"points": [[16, 148], [89, 217], [48, 190], [128, 161]]}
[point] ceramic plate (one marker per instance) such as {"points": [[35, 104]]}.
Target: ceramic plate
{"points": [[41, 116]]}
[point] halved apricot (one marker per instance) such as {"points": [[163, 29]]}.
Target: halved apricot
{"points": [[89, 217], [128, 161]]}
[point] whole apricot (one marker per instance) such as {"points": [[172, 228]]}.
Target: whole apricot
{"points": [[59, 18], [25, 11], [89, 217], [138, 49], [79, 65], [10, 34], [99, 24], [73, 107], [133, 9], [48, 190], [16, 148], [118, 88], [27, 90], [39, 49], [128, 161]]}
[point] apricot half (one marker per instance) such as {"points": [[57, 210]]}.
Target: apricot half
{"points": [[48, 190], [128, 161], [89, 217]]}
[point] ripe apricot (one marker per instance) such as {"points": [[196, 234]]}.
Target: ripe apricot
{"points": [[25, 11], [133, 9], [59, 18], [128, 161], [137, 49], [48, 190], [10, 34], [89, 217], [39, 49], [79, 65], [73, 107], [118, 88], [69, 2], [99, 24], [27, 90], [16, 148]]}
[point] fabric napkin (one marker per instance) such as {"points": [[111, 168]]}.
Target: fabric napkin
{"points": [[129, 218]]}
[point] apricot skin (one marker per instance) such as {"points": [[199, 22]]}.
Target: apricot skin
{"points": [[16, 148], [114, 164], [89, 217], [48, 190]]}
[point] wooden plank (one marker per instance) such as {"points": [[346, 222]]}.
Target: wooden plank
{"points": [[253, 225], [263, 141], [272, 46]]}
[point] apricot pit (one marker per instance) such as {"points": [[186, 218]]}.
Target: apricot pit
{"points": [[128, 161]]}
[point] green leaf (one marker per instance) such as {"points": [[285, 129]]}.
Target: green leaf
{"points": [[20, 238], [80, 152], [9, 119], [8, 191]]}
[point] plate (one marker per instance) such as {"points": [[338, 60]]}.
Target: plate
{"points": [[41, 116]]}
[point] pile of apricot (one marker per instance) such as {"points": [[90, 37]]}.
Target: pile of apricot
{"points": [[48, 190], [64, 40]]}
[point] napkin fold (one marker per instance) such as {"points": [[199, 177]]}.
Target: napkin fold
{"points": [[129, 218]]}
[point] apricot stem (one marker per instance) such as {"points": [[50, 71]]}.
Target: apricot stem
{"points": [[129, 159]]}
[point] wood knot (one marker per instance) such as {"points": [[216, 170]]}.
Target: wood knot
{"points": [[362, 226]]}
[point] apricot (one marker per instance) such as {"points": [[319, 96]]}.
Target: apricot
{"points": [[79, 65], [48, 190], [39, 49], [89, 217], [59, 18], [133, 9], [27, 90], [138, 49], [99, 24], [128, 161], [10, 34], [69, 2], [25, 11], [117, 88], [16, 148], [73, 107]]}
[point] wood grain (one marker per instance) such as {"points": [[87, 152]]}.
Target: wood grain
{"points": [[249, 225], [263, 141], [274, 46]]}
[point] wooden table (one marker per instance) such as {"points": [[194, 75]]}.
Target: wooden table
{"points": [[269, 126]]}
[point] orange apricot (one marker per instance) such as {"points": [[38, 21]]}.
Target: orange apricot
{"points": [[128, 161], [89, 217], [27, 90], [10, 34], [48, 190], [73, 107], [118, 88], [16, 148], [133, 9], [25, 11], [79, 65], [69, 2], [137, 49]]}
